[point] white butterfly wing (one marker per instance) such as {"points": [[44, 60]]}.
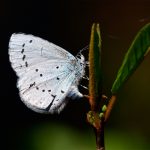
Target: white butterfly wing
{"points": [[45, 71], [27, 50]]}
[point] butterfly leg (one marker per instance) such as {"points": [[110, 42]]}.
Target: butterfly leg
{"points": [[86, 78], [84, 87], [86, 96]]}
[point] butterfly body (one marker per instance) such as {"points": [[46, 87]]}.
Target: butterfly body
{"points": [[47, 73]]}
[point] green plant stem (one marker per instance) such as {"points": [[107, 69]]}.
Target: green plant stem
{"points": [[99, 133], [95, 86]]}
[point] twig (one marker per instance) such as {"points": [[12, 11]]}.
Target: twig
{"points": [[110, 106]]}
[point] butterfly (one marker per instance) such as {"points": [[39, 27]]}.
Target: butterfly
{"points": [[47, 74]]}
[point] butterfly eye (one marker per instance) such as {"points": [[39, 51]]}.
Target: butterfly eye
{"points": [[78, 56]]}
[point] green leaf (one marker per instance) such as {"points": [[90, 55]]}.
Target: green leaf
{"points": [[135, 55], [95, 71]]}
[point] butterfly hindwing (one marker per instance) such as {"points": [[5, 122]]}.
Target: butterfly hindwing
{"points": [[47, 95]]}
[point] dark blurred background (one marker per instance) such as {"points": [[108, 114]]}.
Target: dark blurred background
{"points": [[67, 23]]}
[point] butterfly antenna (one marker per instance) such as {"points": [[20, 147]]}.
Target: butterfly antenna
{"points": [[80, 52], [85, 48]]}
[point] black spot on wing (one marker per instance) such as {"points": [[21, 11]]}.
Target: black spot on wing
{"points": [[32, 84], [22, 50], [36, 70], [62, 91], [23, 44], [37, 87], [26, 64], [41, 75], [58, 78], [23, 58], [30, 41]]}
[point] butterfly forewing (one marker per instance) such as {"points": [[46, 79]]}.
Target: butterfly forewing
{"points": [[26, 50]]}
